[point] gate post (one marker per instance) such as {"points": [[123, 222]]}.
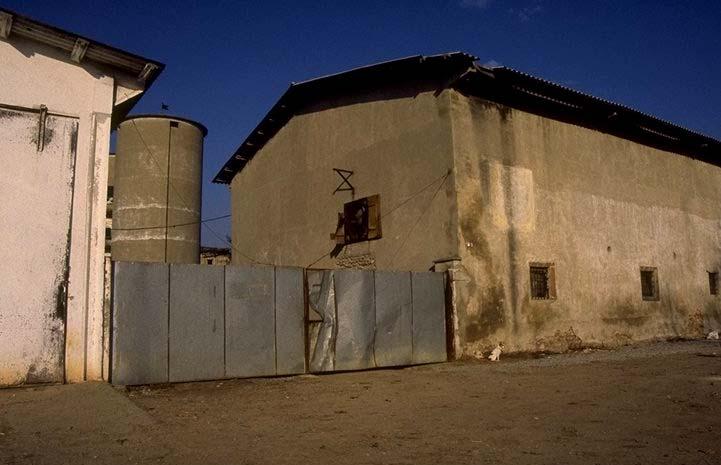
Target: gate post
{"points": [[107, 316], [453, 275]]}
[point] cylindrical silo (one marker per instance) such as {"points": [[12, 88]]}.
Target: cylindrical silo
{"points": [[158, 173]]}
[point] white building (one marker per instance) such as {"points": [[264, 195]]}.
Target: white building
{"points": [[60, 96]]}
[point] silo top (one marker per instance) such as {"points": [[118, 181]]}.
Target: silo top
{"points": [[202, 128]]}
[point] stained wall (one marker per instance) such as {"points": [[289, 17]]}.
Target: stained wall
{"points": [[397, 143], [598, 207]]}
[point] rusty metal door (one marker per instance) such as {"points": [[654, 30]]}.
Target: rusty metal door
{"points": [[37, 156]]}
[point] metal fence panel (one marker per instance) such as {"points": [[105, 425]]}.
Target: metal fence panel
{"points": [[249, 321], [191, 322], [140, 323], [429, 318], [394, 319], [196, 322], [322, 320], [289, 321], [355, 302]]}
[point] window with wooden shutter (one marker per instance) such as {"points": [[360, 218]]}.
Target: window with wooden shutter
{"points": [[362, 219], [374, 217]]}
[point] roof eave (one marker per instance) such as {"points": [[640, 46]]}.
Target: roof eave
{"points": [[284, 108], [80, 49], [502, 84]]}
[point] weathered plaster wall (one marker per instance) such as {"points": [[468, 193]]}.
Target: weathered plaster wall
{"points": [[531, 189], [396, 143], [32, 297], [32, 74]]}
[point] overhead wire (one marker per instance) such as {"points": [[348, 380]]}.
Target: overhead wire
{"points": [[415, 194], [399, 205], [253, 260], [207, 220], [418, 220]]}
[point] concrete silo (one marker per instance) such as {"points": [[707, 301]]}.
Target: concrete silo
{"points": [[158, 172]]}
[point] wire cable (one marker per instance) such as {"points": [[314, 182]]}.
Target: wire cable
{"points": [[318, 259], [207, 220], [415, 194], [399, 205], [418, 220]]}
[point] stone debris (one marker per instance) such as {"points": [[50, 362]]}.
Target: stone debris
{"points": [[713, 335]]}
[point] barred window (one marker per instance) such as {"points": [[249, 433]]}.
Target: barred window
{"points": [[543, 281], [713, 282], [649, 283]]}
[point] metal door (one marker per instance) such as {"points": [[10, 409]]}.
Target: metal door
{"points": [[37, 160]]}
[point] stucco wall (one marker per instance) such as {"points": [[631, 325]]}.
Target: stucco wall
{"points": [[531, 189], [396, 143], [32, 74]]}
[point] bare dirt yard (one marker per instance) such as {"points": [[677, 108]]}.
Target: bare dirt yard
{"points": [[649, 404]]}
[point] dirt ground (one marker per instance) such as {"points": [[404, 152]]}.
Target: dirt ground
{"points": [[656, 403]]}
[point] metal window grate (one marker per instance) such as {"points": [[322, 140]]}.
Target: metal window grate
{"points": [[713, 282], [539, 282]]}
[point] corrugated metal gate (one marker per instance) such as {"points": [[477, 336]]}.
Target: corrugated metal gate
{"points": [[372, 319], [37, 155], [196, 322]]}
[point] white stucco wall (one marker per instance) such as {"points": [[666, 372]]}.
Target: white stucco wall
{"points": [[32, 75]]}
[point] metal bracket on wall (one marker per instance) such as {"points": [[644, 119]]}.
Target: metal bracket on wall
{"points": [[41, 127], [345, 185]]}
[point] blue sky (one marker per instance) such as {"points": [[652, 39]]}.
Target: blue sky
{"points": [[228, 61]]}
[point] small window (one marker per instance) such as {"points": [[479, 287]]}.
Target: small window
{"points": [[543, 281], [649, 283], [111, 192], [713, 282], [108, 234], [362, 220]]}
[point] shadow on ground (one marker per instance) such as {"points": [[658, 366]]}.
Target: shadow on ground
{"points": [[654, 403]]}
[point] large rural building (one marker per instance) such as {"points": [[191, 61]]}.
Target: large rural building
{"points": [[565, 220], [60, 96]]}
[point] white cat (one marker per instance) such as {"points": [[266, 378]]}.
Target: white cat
{"points": [[496, 353]]}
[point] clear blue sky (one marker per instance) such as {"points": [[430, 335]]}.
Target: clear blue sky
{"points": [[228, 61]]}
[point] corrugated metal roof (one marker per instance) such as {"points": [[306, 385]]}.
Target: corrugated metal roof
{"points": [[523, 91], [598, 99], [501, 84]]}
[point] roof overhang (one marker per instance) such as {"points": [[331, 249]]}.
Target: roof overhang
{"points": [[143, 71], [499, 84], [519, 90], [437, 68]]}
